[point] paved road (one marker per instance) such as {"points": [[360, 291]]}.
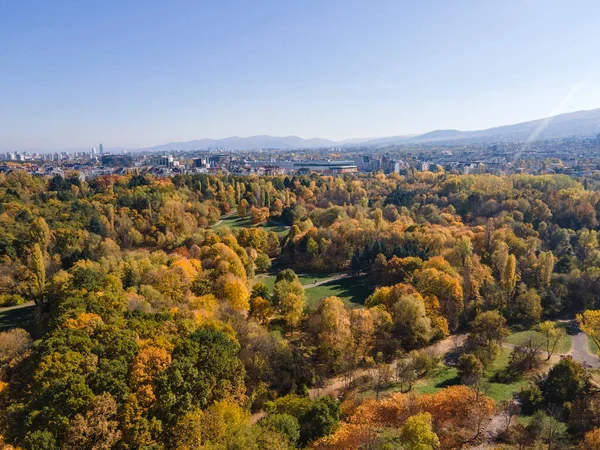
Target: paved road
{"points": [[580, 351]]}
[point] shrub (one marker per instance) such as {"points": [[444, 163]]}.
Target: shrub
{"points": [[11, 300]]}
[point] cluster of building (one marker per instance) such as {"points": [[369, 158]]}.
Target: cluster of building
{"points": [[575, 156]]}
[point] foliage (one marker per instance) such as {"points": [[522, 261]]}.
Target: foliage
{"points": [[147, 334]]}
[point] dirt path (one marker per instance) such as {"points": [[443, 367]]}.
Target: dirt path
{"points": [[22, 305], [257, 416], [340, 276], [334, 386], [220, 221], [326, 280]]}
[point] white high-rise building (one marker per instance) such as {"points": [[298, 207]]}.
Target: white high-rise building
{"points": [[101, 149], [93, 151]]}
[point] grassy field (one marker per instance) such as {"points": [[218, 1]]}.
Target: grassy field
{"points": [[235, 222], [521, 337], [17, 318], [353, 291], [444, 376], [440, 377], [502, 391], [269, 280]]}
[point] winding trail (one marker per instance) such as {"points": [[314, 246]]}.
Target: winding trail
{"points": [[220, 221]]}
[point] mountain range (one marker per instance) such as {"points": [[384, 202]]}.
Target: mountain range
{"points": [[575, 124]]}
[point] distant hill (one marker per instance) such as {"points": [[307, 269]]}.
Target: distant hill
{"points": [[575, 124], [580, 124], [247, 143]]}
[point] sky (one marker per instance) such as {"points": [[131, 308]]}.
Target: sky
{"points": [[134, 74]]}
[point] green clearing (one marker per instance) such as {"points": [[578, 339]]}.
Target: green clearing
{"points": [[269, 280], [444, 376], [440, 377], [236, 222], [521, 338], [17, 318], [502, 391], [352, 290]]}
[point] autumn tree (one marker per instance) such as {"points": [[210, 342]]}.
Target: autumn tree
{"points": [[97, 429], [288, 297], [591, 440], [417, 433], [470, 368], [589, 322], [488, 331], [332, 325], [447, 289], [242, 207]]}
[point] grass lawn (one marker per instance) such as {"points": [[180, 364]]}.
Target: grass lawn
{"points": [[305, 279], [521, 337], [592, 346], [353, 291], [502, 391], [444, 376], [268, 281], [17, 318], [439, 378], [309, 278], [235, 222]]}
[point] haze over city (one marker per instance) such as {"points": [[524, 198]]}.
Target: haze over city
{"points": [[140, 74]]}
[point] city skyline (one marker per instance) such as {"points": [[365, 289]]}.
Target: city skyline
{"points": [[136, 75]]}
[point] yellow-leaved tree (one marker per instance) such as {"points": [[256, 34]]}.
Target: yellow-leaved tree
{"points": [[589, 322]]}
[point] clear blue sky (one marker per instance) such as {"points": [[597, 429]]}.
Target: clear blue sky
{"points": [[140, 73]]}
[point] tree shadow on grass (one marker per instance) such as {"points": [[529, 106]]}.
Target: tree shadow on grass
{"points": [[507, 375], [449, 382], [17, 318], [572, 328], [357, 289]]}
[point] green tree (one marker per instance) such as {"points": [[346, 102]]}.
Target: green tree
{"points": [[205, 368], [470, 368], [565, 382]]}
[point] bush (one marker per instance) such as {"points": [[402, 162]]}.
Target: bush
{"points": [[487, 353], [285, 424], [470, 368], [423, 362], [11, 300]]}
